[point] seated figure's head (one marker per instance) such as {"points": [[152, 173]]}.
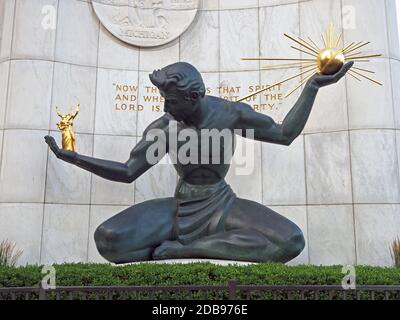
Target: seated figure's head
{"points": [[182, 87]]}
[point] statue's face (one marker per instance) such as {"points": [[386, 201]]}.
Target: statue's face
{"points": [[179, 105], [65, 120]]}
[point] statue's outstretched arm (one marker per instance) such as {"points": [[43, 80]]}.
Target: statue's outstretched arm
{"points": [[267, 130], [126, 172], [75, 113]]}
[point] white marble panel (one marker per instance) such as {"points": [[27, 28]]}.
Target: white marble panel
{"points": [[297, 214], [23, 167], [369, 24], [211, 82], [22, 224], [274, 21], [116, 54], [65, 233], [328, 168], [264, 3], [237, 4], [159, 182], [1, 143], [158, 57], [29, 94], [315, 17], [377, 226], [7, 28], [99, 214], [370, 105], [331, 235], [77, 33], [392, 20], [4, 69], [398, 147], [111, 118], [235, 85], [208, 4], [199, 45], [66, 183], [34, 37], [72, 85], [239, 39], [395, 73], [284, 174], [274, 101], [114, 148], [330, 109], [375, 169], [245, 176]]}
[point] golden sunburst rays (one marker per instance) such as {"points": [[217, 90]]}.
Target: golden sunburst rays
{"points": [[326, 59]]}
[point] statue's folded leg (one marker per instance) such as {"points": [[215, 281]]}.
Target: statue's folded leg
{"points": [[253, 233], [132, 235], [240, 245]]}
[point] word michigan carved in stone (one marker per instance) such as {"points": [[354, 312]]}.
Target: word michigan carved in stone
{"points": [[146, 23]]}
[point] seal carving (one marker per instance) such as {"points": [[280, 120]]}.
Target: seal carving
{"points": [[146, 23]]}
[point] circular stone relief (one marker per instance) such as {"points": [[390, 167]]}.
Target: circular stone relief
{"points": [[146, 23]]}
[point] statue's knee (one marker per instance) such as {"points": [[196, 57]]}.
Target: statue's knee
{"points": [[106, 240], [105, 233], [295, 244]]}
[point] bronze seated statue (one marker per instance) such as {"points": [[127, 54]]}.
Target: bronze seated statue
{"points": [[205, 219]]}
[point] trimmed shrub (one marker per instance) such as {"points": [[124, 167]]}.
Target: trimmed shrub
{"points": [[194, 274]]}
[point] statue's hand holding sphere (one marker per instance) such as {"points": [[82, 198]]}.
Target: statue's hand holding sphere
{"points": [[320, 80], [330, 61]]}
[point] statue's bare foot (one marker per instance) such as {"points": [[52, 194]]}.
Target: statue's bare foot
{"points": [[168, 250]]}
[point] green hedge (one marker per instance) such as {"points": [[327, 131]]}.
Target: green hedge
{"points": [[195, 273]]}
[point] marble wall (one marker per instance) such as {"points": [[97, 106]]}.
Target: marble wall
{"points": [[339, 181]]}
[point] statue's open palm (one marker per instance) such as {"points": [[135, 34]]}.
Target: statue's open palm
{"points": [[320, 80], [62, 154]]}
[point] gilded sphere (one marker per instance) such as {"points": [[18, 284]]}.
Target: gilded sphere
{"points": [[330, 61]]}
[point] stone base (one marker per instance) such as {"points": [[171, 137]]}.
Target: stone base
{"points": [[188, 261]]}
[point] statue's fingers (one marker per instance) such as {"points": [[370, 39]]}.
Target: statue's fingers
{"points": [[53, 147], [48, 140], [327, 79], [52, 144], [348, 65], [339, 75], [330, 78], [344, 69]]}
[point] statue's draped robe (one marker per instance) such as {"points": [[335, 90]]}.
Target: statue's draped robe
{"points": [[202, 209], [68, 139]]}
